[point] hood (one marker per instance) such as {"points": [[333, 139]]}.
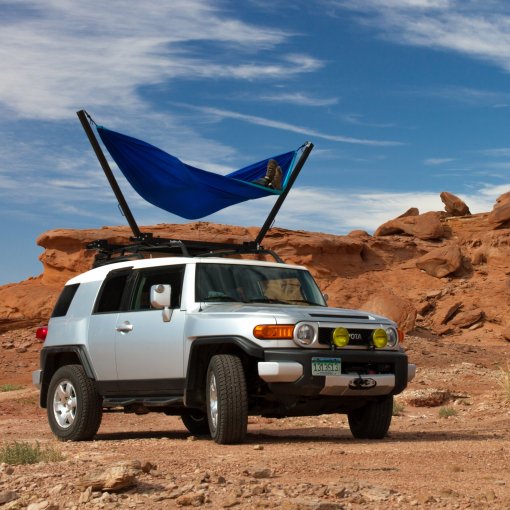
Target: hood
{"points": [[293, 313]]}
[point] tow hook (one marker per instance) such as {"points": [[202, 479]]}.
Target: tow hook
{"points": [[362, 383]]}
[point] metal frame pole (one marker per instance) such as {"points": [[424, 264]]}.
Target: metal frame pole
{"points": [[274, 211], [82, 115]]}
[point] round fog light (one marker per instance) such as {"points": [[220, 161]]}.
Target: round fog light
{"points": [[340, 337], [380, 338]]}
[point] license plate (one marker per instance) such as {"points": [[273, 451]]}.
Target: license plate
{"points": [[326, 366]]}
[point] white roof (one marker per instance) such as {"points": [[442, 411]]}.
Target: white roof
{"points": [[99, 273]]}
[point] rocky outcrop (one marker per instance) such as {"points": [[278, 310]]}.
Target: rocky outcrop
{"points": [[441, 261], [396, 276], [454, 206], [423, 226], [412, 211], [500, 214], [394, 307]]}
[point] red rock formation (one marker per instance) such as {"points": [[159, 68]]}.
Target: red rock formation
{"points": [[500, 214], [454, 206], [398, 309], [441, 261], [352, 270], [423, 226]]}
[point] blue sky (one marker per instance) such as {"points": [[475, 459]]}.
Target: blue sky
{"points": [[403, 99]]}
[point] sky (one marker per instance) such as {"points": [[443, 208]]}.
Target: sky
{"points": [[403, 99]]}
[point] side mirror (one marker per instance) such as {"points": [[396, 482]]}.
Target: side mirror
{"points": [[161, 297], [326, 297]]}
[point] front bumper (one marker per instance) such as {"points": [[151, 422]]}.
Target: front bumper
{"points": [[364, 373]]}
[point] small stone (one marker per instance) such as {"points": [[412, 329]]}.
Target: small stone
{"points": [[147, 467], [259, 472], [258, 447], [191, 499], [56, 490], [86, 495], [42, 505], [7, 496], [229, 502]]}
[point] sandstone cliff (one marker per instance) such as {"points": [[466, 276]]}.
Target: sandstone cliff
{"points": [[455, 283]]}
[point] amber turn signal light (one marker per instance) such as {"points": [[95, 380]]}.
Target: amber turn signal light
{"points": [[274, 331]]}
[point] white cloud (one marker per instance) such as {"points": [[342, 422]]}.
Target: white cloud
{"points": [[468, 95], [275, 124], [300, 99], [438, 161], [501, 152], [338, 211], [59, 56], [476, 29]]}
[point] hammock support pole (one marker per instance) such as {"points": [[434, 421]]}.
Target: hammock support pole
{"points": [[126, 211], [274, 211]]}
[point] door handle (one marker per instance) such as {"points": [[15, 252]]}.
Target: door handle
{"points": [[125, 327]]}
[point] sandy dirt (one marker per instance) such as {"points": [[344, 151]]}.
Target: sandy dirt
{"points": [[426, 461]]}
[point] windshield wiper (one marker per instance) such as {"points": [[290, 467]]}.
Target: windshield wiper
{"points": [[220, 298], [267, 300], [311, 303]]}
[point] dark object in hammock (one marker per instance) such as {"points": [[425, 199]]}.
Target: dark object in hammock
{"points": [[273, 177]]}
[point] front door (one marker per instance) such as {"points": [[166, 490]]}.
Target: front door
{"points": [[148, 351]]}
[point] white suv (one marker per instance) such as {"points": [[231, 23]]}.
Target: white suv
{"points": [[214, 340]]}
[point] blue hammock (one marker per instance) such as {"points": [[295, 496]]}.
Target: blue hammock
{"points": [[189, 192]]}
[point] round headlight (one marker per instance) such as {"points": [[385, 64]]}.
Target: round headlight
{"points": [[392, 337], [340, 337], [379, 338], [304, 334]]}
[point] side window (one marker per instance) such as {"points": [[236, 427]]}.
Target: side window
{"points": [[147, 278], [64, 300], [110, 296]]}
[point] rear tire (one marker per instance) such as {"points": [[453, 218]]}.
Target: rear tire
{"points": [[373, 420], [73, 405], [227, 399], [196, 422]]}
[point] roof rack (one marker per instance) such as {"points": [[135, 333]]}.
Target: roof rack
{"points": [[109, 253], [145, 242]]}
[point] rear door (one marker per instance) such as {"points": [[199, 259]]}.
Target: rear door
{"points": [[102, 323]]}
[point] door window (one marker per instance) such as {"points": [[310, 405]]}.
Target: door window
{"points": [[147, 278]]}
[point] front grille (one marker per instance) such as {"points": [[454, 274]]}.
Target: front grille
{"points": [[357, 336]]}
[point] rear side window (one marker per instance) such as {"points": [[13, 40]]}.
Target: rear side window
{"points": [[110, 296], [64, 300]]}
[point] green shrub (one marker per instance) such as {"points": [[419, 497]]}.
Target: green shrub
{"points": [[24, 453], [398, 408], [446, 412], [10, 387], [503, 379]]}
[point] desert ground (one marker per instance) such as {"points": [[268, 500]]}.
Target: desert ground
{"points": [[428, 460]]}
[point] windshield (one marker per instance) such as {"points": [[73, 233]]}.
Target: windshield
{"points": [[256, 284]]}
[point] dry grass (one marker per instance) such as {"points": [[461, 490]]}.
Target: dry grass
{"points": [[10, 387], [25, 453], [447, 412], [503, 379]]}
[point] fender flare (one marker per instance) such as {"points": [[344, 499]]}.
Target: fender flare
{"points": [[197, 368]]}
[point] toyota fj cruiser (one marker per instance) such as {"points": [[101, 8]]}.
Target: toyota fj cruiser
{"points": [[214, 340]]}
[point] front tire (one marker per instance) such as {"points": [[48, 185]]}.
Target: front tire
{"points": [[73, 405], [227, 399], [196, 422], [373, 420]]}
